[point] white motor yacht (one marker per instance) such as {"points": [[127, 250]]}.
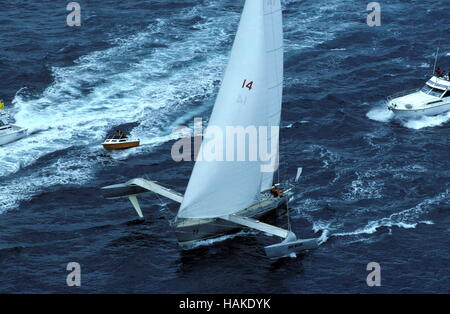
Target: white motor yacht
{"points": [[431, 100], [10, 132]]}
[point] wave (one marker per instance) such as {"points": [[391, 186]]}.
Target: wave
{"points": [[427, 122], [382, 114], [209, 242], [407, 219], [149, 78], [366, 186], [126, 83]]}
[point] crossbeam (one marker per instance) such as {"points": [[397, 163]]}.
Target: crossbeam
{"points": [[139, 186], [258, 225]]}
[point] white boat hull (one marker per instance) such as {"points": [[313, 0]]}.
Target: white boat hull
{"points": [[120, 144], [412, 113], [13, 134]]}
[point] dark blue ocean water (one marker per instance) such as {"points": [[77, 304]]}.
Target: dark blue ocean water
{"points": [[376, 189]]}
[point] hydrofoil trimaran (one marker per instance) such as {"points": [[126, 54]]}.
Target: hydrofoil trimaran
{"points": [[225, 196]]}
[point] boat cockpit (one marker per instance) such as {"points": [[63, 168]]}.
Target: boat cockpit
{"points": [[436, 92], [437, 87], [4, 125]]}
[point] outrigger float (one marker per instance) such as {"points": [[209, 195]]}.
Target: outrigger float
{"points": [[189, 231], [223, 197], [433, 99]]}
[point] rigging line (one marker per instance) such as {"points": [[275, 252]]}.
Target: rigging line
{"points": [[160, 200], [288, 215], [279, 158], [280, 153]]}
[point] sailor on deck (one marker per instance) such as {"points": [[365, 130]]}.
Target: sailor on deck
{"points": [[275, 191]]}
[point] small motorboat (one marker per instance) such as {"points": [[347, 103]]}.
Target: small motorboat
{"points": [[10, 132], [431, 100], [119, 142]]}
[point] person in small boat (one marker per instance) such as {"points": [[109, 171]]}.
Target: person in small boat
{"points": [[122, 134], [119, 135], [276, 192]]}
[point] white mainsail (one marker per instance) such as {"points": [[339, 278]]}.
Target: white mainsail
{"points": [[250, 95]]}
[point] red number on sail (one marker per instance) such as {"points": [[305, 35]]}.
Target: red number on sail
{"points": [[249, 85]]}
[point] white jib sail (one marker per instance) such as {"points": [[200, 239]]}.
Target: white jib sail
{"points": [[250, 95]]}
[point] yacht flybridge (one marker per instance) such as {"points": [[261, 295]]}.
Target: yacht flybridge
{"points": [[225, 196], [10, 132], [431, 100]]}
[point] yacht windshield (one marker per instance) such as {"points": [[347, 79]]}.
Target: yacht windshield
{"points": [[432, 91]]}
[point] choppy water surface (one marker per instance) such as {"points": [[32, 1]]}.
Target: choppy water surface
{"points": [[376, 189]]}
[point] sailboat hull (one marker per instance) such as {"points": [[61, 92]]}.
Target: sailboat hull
{"points": [[190, 231]]}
